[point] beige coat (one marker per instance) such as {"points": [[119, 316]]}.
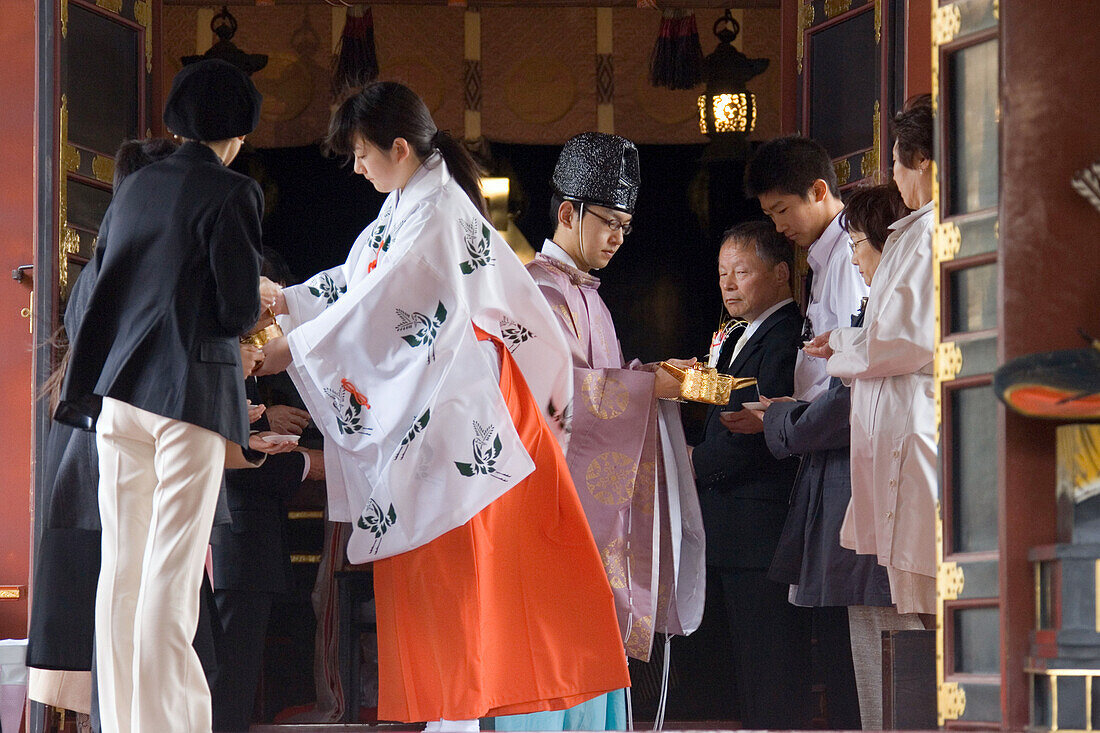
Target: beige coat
{"points": [[895, 487]]}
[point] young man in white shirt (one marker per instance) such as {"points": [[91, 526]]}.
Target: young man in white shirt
{"points": [[794, 180]]}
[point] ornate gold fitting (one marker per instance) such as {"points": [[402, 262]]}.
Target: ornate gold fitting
{"points": [[260, 337], [699, 383]]}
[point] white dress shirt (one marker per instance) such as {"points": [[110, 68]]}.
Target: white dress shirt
{"points": [[835, 296]]}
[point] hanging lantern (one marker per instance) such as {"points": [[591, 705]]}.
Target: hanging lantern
{"points": [[224, 26], [727, 110]]}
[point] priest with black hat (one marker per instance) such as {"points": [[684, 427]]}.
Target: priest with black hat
{"points": [[155, 370], [625, 448]]}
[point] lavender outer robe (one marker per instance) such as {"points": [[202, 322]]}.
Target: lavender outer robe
{"points": [[629, 464]]}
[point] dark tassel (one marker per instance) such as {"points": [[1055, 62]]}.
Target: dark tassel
{"points": [[677, 58], [356, 62]]}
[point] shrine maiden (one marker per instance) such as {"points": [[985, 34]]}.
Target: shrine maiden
{"points": [[440, 379]]}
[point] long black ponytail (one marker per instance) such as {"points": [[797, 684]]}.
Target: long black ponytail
{"points": [[384, 111]]}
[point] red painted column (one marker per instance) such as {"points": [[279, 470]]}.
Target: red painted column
{"points": [[1050, 275], [18, 159]]}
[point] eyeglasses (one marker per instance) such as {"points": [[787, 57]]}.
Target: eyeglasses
{"points": [[612, 223], [856, 242]]}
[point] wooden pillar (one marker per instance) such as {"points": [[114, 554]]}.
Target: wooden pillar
{"points": [[1050, 275], [918, 47], [18, 33]]}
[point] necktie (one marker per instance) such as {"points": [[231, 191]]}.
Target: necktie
{"points": [[807, 294]]}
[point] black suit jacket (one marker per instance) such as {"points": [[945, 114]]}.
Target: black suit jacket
{"points": [[743, 489], [178, 265]]}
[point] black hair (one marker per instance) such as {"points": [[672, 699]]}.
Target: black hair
{"points": [[913, 130], [133, 155], [789, 165], [871, 210], [274, 267], [384, 111], [771, 247]]}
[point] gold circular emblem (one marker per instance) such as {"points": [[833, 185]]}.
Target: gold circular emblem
{"points": [[605, 397], [610, 478], [612, 556]]}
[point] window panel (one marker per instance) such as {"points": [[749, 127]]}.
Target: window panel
{"points": [[844, 85], [974, 299], [977, 640], [973, 149], [974, 469]]}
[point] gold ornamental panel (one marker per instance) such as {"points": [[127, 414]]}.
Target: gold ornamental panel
{"points": [[843, 171], [946, 241], [605, 397], [834, 8], [950, 581], [645, 484], [103, 168], [946, 23], [610, 478], [952, 701]]}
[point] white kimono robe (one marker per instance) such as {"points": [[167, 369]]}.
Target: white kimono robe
{"points": [[418, 438], [892, 513]]}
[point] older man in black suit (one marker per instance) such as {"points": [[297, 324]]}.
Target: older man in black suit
{"points": [[744, 491], [156, 363]]}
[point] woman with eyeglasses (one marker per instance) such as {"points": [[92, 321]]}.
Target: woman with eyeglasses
{"points": [[889, 363]]}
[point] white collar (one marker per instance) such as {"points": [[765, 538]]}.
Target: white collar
{"points": [[432, 173], [551, 249], [759, 320], [913, 216], [821, 251]]}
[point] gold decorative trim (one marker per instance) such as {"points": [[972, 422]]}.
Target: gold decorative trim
{"points": [[11, 592], [950, 581], [103, 168], [843, 171], [143, 14], [834, 8], [946, 22], [952, 701], [805, 20], [949, 361], [305, 559], [114, 6], [64, 18], [946, 241], [878, 21], [869, 165], [70, 158], [997, 14], [305, 515], [65, 235]]}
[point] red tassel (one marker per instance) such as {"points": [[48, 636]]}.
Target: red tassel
{"points": [[677, 58], [356, 61]]}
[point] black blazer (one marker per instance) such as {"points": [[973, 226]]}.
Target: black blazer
{"points": [[743, 489], [178, 265]]}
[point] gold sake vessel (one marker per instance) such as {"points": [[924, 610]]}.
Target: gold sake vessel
{"points": [[261, 336], [699, 383]]}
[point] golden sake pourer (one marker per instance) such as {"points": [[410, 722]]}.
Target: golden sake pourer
{"points": [[700, 383], [261, 336]]}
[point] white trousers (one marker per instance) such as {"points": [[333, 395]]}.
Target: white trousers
{"points": [[158, 488]]}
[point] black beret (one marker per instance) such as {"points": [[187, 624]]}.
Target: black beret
{"points": [[212, 100], [598, 168]]}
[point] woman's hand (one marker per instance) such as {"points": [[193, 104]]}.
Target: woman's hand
{"points": [[254, 412], [271, 296], [276, 357], [257, 443], [819, 347], [251, 358]]}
